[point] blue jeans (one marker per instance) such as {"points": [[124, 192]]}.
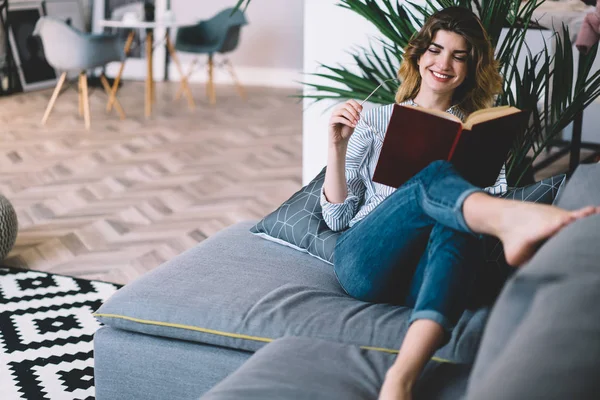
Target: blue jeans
{"points": [[414, 249]]}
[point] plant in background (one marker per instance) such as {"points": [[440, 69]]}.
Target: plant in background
{"points": [[239, 4], [545, 86]]}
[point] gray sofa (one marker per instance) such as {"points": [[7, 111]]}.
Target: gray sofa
{"points": [[241, 317]]}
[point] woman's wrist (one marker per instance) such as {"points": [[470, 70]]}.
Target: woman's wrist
{"points": [[339, 147], [399, 376]]}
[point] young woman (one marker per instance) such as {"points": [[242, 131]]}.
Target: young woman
{"points": [[412, 246]]}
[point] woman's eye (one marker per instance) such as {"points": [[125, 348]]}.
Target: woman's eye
{"points": [[433, 50], [461, 59]]}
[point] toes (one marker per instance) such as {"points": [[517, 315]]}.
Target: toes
{"points": [[590, 210], [584, 212]]}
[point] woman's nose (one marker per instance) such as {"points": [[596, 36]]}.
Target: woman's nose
{"points": [[444, 62]]}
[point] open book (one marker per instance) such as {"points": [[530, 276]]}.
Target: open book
{"points": [[477, 148]]}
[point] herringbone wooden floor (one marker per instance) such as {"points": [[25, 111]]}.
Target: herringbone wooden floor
{"points": [[121, 199]]}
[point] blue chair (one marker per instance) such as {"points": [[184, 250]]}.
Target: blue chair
{"points": [[67, 49], [220, 34]]}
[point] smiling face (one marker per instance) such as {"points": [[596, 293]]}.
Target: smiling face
{"points": [[443, 66]]}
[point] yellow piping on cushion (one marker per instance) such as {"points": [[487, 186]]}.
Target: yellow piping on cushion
{"points": [[189, 327], [237, 335]]}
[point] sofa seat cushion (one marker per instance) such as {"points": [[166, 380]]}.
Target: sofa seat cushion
{"points": [[305, 368], [240, 291]]}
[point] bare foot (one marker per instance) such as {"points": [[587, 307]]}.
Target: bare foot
{"points": [[525, 226]]}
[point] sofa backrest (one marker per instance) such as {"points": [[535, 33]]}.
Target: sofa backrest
{"points": [[583, 188]]}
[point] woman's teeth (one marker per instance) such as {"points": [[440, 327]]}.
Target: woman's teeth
{"points": [[440, 75]]}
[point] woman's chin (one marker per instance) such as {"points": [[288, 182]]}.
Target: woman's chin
{"points": [[441, 88]]}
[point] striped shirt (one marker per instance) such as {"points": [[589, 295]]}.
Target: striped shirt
{"points": [[363, 151]]}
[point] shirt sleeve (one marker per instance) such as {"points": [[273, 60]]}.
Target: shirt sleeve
{"points": [[500, 187], [337, 216]]}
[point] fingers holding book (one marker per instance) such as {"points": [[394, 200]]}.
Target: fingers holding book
{"points": [[343, 120]]}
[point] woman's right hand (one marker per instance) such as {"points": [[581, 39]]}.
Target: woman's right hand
{"points": [[342, 122]]}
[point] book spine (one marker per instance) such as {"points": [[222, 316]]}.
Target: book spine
{"points": [[456, 140]]}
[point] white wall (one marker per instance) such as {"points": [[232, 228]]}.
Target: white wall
{"points": [[329, 32], [270, 48]]}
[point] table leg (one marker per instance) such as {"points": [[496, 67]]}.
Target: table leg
{"points": [[149, 77], [184, 82], [153, 91], [113, 92]]}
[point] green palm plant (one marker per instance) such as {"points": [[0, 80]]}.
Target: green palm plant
{"points": [[545, 86], [240, 3]]}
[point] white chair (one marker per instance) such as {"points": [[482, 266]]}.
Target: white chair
{"points": [[67, 49]]}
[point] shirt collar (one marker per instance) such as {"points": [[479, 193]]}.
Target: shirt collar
{"points": [[454, 109]]}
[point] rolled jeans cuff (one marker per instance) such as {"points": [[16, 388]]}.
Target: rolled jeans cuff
{"points": [[459, 208], [434, 316]]}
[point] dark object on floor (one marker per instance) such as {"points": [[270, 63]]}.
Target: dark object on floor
{"points": [[9, 226]]}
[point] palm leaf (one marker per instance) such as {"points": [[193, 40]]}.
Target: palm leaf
{"points": [[239, 4]]}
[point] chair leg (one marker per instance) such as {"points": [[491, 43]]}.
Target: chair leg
{"points": [[113, 92], [180, 89], [184, 82], [50, 106], [80, 93], [210, 87], [238, 86], [106, 86], [86, 102]]}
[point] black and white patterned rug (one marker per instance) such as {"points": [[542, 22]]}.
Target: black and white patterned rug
{"points": [[46, 332]]}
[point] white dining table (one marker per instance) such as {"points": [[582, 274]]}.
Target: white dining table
{"points": [[134, 25]]}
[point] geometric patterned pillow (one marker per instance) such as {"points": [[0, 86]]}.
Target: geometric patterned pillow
{"points": [[496, 271], [543, 192], [298, 223]]}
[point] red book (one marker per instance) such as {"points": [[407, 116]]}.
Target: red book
{"points": [[478, 148]]}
